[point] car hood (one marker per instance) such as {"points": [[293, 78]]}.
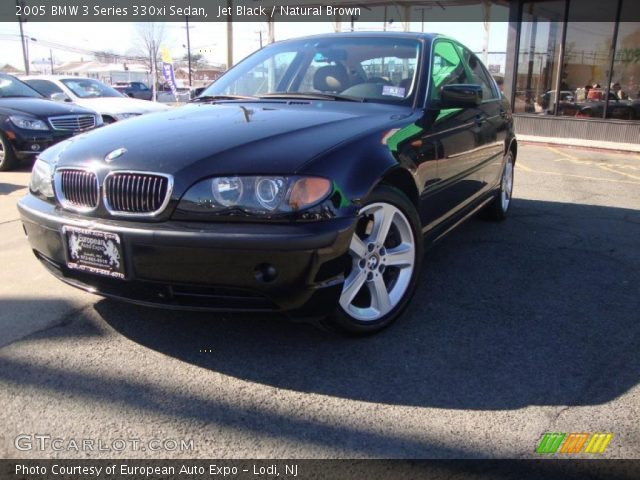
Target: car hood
{"points": [[39, 107], [230, 138], [117, 105]]}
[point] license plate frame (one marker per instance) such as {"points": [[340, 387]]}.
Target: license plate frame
{"points": [[94, 251]]}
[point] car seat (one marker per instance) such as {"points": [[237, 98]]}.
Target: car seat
{"points": [[331, 78]]}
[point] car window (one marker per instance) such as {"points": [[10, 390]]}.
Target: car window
{"points": [[369, 68], [479, 74], [88, 88], [446, 68], [262, 78], [45, 87], [12, 87], [389, 71]]}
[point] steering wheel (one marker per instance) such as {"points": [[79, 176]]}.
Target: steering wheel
{"points": [[378, 80]]}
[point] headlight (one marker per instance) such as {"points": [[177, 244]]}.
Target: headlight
{"points": [[28, 123], [270, 191], [123, 116], [263, 195], [41, 179], [227, 191]]}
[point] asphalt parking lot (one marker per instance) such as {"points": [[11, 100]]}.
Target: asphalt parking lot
{"points": [[517, 329]]}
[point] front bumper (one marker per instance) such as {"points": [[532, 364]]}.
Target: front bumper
{"points": [[27, 143], [205, 266]]}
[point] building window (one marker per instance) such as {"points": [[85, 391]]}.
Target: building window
{"points": [[596, 37], [540, 40], [625, 81], [587, 58]]}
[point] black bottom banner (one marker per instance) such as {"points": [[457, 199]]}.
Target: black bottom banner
{"points": [[319, 469]]}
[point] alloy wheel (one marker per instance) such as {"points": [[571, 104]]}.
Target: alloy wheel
{"points": [[506, 188], [383, 256]]}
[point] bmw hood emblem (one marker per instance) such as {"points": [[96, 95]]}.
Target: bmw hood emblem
{"points": [[111, 156]]}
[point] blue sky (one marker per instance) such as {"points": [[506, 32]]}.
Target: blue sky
{"points": [[207, 37]]}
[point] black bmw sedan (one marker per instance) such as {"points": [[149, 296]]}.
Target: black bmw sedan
{"points": [[308, 179], [29, 123]]}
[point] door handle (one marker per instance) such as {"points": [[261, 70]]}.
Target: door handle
{"points": [[480, 119]]}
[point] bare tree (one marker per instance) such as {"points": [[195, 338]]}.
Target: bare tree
{"points": [[150, 36], [197, 61]]}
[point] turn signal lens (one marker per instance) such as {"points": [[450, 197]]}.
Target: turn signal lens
{"points": [[307, 191]]}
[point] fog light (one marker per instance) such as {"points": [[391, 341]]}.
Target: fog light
{"points": [[266, 273]]}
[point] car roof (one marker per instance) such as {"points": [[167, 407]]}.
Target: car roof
{"points": [[365, 34], [428, 36], [55, 77]]}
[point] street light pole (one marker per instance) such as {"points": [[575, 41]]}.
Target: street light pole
{"points": [[189, 51]]}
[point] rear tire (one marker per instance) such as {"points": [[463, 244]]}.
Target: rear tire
{"points": [[8, 158], [498, 209], [386, 251]]}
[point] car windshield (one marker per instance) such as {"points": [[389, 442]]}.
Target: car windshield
{"points": [[87, 88], [378, 69], [12, 87]]}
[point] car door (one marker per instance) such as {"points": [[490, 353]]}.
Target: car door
{"points": [[452, 137], [495, 124], [145, 93], [134, 90]]}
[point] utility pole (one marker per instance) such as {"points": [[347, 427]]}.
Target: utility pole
{"points": [[422, 18], [229, 36], [51, 60], [189, 51], [25, 56]]}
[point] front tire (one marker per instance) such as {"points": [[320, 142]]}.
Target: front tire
{"points": [[386, 251], [8, 159]]}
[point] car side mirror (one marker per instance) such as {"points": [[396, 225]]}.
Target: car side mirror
{"points": [[460, 96], [59, 97]]}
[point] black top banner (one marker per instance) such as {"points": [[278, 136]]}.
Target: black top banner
{"points": [[398, 11], [253, 10]]}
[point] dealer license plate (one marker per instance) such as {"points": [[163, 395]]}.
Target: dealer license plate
{"points": [[94, 251]]}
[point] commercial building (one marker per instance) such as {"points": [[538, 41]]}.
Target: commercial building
{"points": [[589, 51]]}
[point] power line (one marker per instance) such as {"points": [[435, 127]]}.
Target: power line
{"points": [[72, 49]]}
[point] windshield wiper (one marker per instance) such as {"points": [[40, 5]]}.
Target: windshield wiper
{"points": [[210, 98], [313, 96]]}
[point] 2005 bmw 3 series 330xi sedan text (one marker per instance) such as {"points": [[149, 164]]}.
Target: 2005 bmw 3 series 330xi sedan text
{"points": [[307, 179]]}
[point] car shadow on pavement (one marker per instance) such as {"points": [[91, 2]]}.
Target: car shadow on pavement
{"points": [[7, 188], [539, 310]]}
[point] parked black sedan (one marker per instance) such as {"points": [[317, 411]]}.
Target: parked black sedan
{"points": [[308, 179], [29, 124]]}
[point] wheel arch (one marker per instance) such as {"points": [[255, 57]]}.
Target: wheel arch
{"points": [[512, 146], [402, 180]]}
